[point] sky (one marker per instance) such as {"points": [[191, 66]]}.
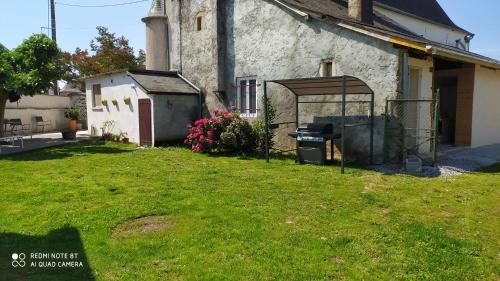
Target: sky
{"points": [[76, 25]]}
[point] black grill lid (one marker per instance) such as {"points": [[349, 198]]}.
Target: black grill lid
{"points": [[319, 128]]}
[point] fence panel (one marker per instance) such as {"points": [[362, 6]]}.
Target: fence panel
{"points": [[411, 129]]}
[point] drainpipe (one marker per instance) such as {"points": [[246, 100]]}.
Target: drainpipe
{"points": [[180, 36], [200, 94], [467, 40], [405, 74]]}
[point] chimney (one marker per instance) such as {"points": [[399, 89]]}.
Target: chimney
{"points": [[361, 10]]}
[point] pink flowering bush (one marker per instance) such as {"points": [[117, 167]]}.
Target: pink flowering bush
{"points": [[205, 134]]}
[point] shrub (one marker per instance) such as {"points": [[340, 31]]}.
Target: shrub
{"points": [[230, 133], [205, 134], [72, 113], [107, 136], [259, 128], [238, 136], [259, 133]]}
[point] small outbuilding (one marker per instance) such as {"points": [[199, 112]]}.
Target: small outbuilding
{"points": [[148, 107]]}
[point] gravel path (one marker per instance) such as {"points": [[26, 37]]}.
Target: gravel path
{"points": [[456, 163]]}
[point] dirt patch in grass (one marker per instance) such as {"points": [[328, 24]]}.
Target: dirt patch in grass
{"points": [[145, 225], [337, 259]]}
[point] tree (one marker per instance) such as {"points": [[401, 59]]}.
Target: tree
{"points": [[29, 69], [109, 53]]}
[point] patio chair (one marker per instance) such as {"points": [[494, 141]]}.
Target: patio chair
{"points": [[18, 128], [5, 123], [39, 122]]}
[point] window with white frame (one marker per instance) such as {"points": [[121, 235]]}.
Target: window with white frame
{"points": [[247, 97]]}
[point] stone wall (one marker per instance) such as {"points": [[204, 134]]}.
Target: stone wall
{"points": [[172, 115], [78, 101], [242, 38]]}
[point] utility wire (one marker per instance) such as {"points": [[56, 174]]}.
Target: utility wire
{"points": [[100, 6]]}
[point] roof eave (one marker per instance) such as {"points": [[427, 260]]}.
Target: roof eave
{"points": [[428, 48], [468, 58], [105, 74]]}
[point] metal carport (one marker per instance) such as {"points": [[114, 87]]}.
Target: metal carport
{"points": [[329, 86]]}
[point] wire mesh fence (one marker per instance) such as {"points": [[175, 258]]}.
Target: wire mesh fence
{"points": [[411, 129]]}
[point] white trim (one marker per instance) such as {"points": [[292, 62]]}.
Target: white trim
{"points": [[188, 82], [247, 96], [300, 13]]}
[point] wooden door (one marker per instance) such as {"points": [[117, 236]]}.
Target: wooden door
{"points": [[145, 134]]}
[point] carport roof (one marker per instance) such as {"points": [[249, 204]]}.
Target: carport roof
{"points": [[163, 82], [325, 86]]}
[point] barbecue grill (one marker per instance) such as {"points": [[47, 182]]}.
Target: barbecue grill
{"points": [[312, 142]]}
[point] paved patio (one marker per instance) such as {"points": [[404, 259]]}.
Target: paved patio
{"points": [[40, 141]]}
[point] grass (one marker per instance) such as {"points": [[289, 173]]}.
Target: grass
{"points": [[230, 218]]}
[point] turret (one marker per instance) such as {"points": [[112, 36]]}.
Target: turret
{"points": [[157, 49]]}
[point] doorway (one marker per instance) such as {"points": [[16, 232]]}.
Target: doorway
{"points": [[448, 109], [455, 82], [145, 135]]}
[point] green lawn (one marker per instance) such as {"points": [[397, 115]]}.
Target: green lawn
{"points": [[234, 218]]}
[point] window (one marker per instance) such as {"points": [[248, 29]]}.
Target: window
{"points": [[96, 95], [199, 22], [327, 69], [247, 97]]}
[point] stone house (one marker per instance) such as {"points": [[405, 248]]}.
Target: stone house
{"points": [[400, 49]]}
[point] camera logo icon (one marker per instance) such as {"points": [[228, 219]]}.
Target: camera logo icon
{"points": [[18, 260]]}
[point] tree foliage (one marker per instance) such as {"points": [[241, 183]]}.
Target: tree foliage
{"points": [[30, 68], [107, 53], [5, 69]]}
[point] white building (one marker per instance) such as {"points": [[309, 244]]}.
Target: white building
{"points": [[147, 106]]}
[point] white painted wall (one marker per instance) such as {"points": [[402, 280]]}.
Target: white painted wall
{"points": [[51, 108], [117, 86], [486, 107], [435, 32], [424, 91]]}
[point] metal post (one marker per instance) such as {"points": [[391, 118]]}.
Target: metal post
{"points": [[200, 104], [372, 124], [296, 127], [54, 35], [435, 130], [266, 122], [342, 138], [386, 122]]}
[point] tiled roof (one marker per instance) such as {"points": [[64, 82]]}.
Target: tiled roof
{"points": [[162, 82]]}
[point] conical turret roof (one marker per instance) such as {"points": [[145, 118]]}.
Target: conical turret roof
{"points": [[158, 9]]}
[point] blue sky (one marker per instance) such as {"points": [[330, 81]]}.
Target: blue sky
{"points": [[76, 26]]}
